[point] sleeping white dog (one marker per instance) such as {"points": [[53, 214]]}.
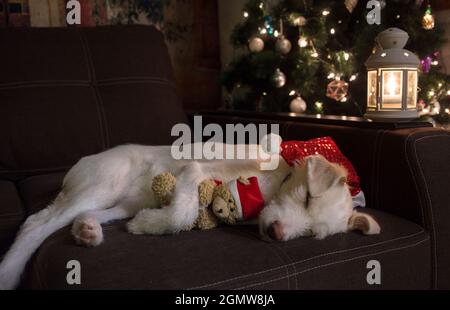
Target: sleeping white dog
{"points": [[309, 199]]}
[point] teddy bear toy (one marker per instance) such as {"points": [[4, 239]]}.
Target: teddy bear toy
{"points": [[238, 200]]}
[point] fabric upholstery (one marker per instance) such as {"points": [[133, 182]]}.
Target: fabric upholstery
{"points": [[235, 258], [68, 93]]}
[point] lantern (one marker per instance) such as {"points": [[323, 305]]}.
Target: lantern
{"points": [[392, 77]]}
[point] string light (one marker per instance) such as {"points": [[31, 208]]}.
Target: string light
{"points": [[448, 92], [431, 93], [276, 34], [292, 93], [331, 75], [440, 84], [319, 105], [447, 111], [352, 78], [325, 12], [346, 56], [332, 31], [303, 42], [435, 63], [315, 54], [344, 99], [246, 14], [263, 31], [261, 5]]}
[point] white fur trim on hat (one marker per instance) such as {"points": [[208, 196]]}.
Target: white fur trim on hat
{"points": [[234, 192]]}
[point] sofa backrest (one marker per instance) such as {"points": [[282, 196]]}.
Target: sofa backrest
{"points": [[69, 92]]}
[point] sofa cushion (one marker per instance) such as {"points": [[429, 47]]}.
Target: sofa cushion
{"points": [[234, 257], [38, 191], [81, 91], [11, 214]]}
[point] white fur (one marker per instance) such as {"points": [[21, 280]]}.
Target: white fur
{"points": [[116, 184]]}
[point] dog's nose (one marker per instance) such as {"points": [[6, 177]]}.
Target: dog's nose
{"points": [[220, 211], [275, 231]]}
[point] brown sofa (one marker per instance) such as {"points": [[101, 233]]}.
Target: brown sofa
{"points": [[68, 93]]}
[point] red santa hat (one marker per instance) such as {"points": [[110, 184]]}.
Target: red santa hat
{"points": [[248, 198]]}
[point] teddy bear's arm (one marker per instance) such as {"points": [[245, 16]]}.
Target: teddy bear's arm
{"points": [[205, 192]]}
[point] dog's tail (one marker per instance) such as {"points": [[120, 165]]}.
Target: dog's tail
{"points": [[31, 235]]}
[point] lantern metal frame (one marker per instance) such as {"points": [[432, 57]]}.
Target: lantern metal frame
{"points": [[391, 57]]}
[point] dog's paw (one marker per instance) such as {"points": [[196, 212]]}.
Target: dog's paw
{"points": [[149, 221], [87, 231]]}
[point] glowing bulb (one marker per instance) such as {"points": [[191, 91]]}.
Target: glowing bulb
{"points": [[332, 31], [315, 54], [440, 84], [344, 99], [318, 116], [352, 78], [292, 93], [448, 92], [331, 75], [261, 5], [302, 42], [325, 12], [264, 94], [246, 14], [319, 105], [383, 55], [431, 93], [263, 31], [276, 34], [447, 111], [346, 56], [435, 63]]}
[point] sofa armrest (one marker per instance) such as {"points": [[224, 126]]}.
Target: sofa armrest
{"points": [[405, 172]]}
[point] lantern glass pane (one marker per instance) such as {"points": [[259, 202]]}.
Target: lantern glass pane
{"points": [[392, 89], [372, 89], [411, 98]]}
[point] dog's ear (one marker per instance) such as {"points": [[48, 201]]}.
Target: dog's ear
{"points": [[364, 223], [321, 174]]}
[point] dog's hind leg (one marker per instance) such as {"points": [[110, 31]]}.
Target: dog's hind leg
{"points": [[41, 225], [180, 214], [87, 229]]}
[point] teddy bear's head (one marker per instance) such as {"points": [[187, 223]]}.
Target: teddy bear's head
{"points": [[224, 205]]}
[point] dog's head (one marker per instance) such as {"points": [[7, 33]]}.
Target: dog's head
{"points": [[314, 201]]}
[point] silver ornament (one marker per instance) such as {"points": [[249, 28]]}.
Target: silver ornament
{"points": [[283, 46], [256, 45], [279, 79], [298, 105]]}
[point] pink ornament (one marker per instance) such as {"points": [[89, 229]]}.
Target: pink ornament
{"points": [[426, 64]]}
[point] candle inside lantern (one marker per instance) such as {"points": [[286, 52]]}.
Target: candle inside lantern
{"points": [[392, 89]]}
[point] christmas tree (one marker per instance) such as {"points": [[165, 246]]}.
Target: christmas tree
{"points": [[308, 55]]}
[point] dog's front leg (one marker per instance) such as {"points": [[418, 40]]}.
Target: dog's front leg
{"points": [[180, 214]]}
